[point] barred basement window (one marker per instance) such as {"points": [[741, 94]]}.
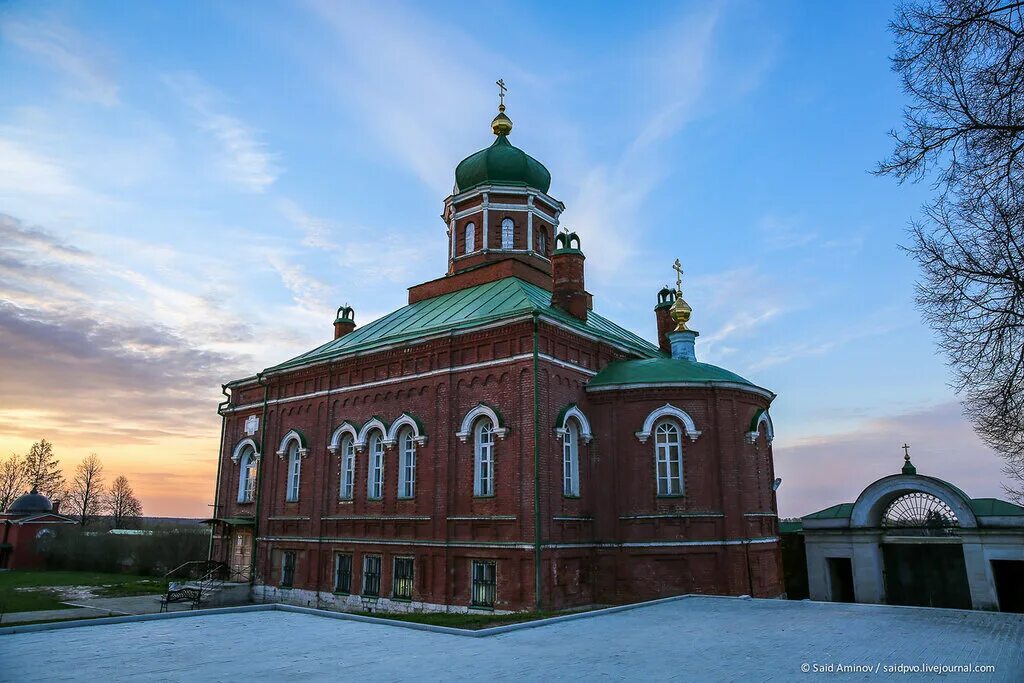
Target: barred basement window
{"points": [[287, 568], [342, 573], [484, 583], [402, 584], [371, 575]]}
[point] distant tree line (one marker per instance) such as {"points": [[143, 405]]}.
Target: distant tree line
{"points": [[86, 496]]}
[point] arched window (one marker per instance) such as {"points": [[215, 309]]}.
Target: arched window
{"points": [[483, 460], [406, 465], [507, 233], [571, 460], [348, 468], [668, 450], [542, 242], [294, 471], [375, 483], [470, 237], [247, 478]]}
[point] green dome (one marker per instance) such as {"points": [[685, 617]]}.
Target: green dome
{"points": [[501, 164]]}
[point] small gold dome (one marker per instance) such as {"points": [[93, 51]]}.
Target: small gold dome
{"points": [[501, 125], [680, 312]]}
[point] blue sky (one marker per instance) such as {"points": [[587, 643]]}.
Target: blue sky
{"points": [[189, 190]]}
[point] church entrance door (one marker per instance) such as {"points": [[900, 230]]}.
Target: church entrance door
{"points": [[241, 552]]}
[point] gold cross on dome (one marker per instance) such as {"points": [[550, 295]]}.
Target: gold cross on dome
{"points": [[678, 267], [501, 90]]}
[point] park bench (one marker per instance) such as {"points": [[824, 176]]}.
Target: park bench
{"points": [[192, 595]]}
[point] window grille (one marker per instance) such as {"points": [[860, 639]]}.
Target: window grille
{"points": [[402, 588], [484, 583], [342, 573], [287, 568], [371, 575]]}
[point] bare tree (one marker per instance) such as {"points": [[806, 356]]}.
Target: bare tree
{"points": [[43, 469], [122, 505], [85, 495], [13, 479], [962, 64]]}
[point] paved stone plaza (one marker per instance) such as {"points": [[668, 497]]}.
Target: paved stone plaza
{"points": [[693, 638]]}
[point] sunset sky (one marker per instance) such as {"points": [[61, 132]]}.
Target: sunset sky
{"points": [[189, 190]]}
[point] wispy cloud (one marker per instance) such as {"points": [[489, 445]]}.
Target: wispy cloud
{"points": [[243, 158], [24, 171], [81, 62]]}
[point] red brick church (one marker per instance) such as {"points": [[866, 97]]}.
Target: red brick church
{"points": [[497, 444]]}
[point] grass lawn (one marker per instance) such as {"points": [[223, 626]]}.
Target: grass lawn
{"points": [[469, 621], [39, 587]]}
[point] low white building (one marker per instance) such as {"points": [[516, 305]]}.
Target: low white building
{"points": [[911, 539]]}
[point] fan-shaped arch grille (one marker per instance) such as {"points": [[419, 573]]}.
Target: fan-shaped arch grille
{"points": [[919, 510]]}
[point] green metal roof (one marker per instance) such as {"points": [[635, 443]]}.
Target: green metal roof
{"points": [[663, 370], [993, 507], [465, 308], [790, 527], [841, 511]]}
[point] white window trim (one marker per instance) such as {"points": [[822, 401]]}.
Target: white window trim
{"points": [[470, 238], [668, 410], [240, 448], [345, 428], [480, 410], [584, 424], [406, 420], [292, 435], [763, 418]]}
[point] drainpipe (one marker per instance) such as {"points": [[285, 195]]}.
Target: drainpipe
{"points": [[536, 468], [259, 476], [220, 461]]}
